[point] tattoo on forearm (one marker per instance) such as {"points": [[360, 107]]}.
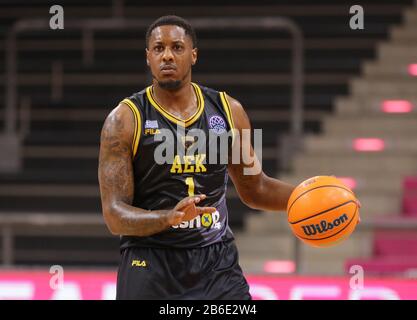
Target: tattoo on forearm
{"points": [[117, 181], [116, 173]]}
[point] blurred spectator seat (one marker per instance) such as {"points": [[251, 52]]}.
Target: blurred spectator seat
{"points": [[395, 251]]}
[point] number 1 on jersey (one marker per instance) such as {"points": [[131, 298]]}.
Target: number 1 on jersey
{"points": [[190, 183]]}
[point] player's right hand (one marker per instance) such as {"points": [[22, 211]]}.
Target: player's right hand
{"points": [[186, 210]]}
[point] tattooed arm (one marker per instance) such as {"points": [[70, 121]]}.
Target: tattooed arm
{"points": [[115, 175], [256, 189]]}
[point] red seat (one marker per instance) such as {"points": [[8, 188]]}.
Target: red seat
{"points": [[394, 251], [410, 183], [395, 243], [409, 204], [409, 201]]}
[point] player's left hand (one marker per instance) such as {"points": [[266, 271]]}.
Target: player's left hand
{"points": [[188, 206]]}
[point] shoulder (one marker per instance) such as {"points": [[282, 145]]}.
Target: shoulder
{"points": [[239, 114], [235, 104], [120, 121], [120, 113]]}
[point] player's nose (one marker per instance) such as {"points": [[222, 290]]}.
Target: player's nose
{"points": [[167, 55]]}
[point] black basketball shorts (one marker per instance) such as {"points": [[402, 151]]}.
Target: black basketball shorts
{"points": [[207, 273]]}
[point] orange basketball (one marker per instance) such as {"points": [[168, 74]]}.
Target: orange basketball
{"points": [[322, 211]]}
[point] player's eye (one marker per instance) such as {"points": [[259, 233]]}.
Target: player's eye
{"points": [[158, 48], [178, 47]]}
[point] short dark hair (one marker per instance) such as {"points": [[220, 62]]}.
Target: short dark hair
{"points": [[175, 21]]}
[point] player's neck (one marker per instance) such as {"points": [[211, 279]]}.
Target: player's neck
{"points": [[178, 101]]}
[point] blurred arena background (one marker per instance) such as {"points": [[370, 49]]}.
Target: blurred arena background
{"points": [[357, 90]]}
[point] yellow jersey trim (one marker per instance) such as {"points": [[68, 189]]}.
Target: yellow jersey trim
{"points": [[228, 111], [138, 125], [173, 118]]}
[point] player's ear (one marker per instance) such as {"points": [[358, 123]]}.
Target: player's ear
{"points": [[147, 53], [194, 56]]}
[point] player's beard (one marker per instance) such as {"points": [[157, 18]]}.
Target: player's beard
{"points": [[172, 85]]}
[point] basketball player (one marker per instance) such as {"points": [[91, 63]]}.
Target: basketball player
{"points": [[169, 250]]}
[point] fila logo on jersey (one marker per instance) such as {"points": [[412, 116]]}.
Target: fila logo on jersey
{"points": [[151, 127], [139, 263]]}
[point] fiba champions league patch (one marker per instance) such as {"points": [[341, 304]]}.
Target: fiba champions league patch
{"points": [[217, 124]]}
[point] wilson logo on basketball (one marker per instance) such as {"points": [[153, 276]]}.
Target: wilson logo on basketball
{"points": [[324, 226]]}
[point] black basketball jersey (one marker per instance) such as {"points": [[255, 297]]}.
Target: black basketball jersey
{"points": [[189, 170]]}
